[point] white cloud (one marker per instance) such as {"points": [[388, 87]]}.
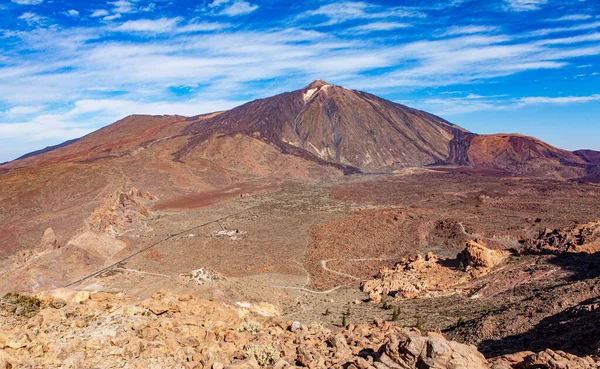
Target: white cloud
{"points": [[112, 17], [379, 26], [572, 17], [72, 13], [468, 30], [161, 25], [239, 7], [99, 13], [572, 40], [525, 5], [559, 100], [581, 27], [76, 121], [19, 111], [123, 6], [474, 103], [349, 10], [28, 2], [32, 18], [217, 3], [202, 27]]}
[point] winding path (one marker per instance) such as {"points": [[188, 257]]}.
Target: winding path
{"points": [[324, 266]]}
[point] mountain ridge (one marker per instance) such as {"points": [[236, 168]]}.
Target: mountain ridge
{"points": [[329, 125]]}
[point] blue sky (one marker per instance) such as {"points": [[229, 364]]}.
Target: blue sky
{"points": [[70, 67]]}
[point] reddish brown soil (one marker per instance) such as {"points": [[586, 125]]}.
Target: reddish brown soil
{"points": [[368, 234], [208, 198]]}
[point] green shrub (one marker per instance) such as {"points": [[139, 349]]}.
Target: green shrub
{"points": [[396, 314], [23, 305]]}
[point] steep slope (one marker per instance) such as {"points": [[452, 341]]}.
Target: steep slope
{"points": [[61, 187], [523, 155], [327, 123]]}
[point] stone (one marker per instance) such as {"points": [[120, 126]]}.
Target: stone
{"points": [[57, 303], [48, 241]]}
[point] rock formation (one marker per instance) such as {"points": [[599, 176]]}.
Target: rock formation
{"points": [[428, 276], [119, 211], [583, 238], [478, 259], [48, 241]]}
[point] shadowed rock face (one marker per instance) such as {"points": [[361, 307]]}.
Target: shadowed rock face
{"points": [[332, 124]]}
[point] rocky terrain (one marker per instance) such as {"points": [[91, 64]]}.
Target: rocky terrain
{"points": [[71, 329], [320, 228]]}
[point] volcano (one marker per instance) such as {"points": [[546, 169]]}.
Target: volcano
{"points": [[318, 132]]}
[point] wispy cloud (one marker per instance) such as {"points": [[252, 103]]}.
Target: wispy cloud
{"points": [[559, 100], [28, 2], [475, 103], [572, 17], [580, 27], [468, 30], [32, 18], [379, 26], [344, 11], [525, 5], [238, 7], [161, 25]]}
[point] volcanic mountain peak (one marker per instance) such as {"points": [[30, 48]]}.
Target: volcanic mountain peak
{"points": [[318, 83]]}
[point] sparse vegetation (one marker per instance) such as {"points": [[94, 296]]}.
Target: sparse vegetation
{"points": [[387, 306], [461, 266], [252, 326], [344, 320], [419, 325], [460, 322], [23, 305], [396, 314], [265, 355]]}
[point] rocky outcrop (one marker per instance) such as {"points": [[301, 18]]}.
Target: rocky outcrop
{"points": [[426, 276], [547, 359], [49, 241], [120, 211], [583, 238], [478, 259], [74, 329], [418, 276]]}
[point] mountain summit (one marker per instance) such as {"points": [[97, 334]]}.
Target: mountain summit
{"points": [[335, 125], [358, 131]]}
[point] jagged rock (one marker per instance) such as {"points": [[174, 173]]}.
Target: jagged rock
{"points": [[119, 211], [118, 331], [583, 238], [427, 276], [49, 241], [479, 259], [431, 352]]}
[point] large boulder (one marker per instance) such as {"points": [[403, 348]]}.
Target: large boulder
{"points": [[48, 241]]}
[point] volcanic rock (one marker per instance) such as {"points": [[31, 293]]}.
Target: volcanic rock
{"points": [[583, 238], [427, 276], [479, 259], [119, 211], [49, 241]]}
